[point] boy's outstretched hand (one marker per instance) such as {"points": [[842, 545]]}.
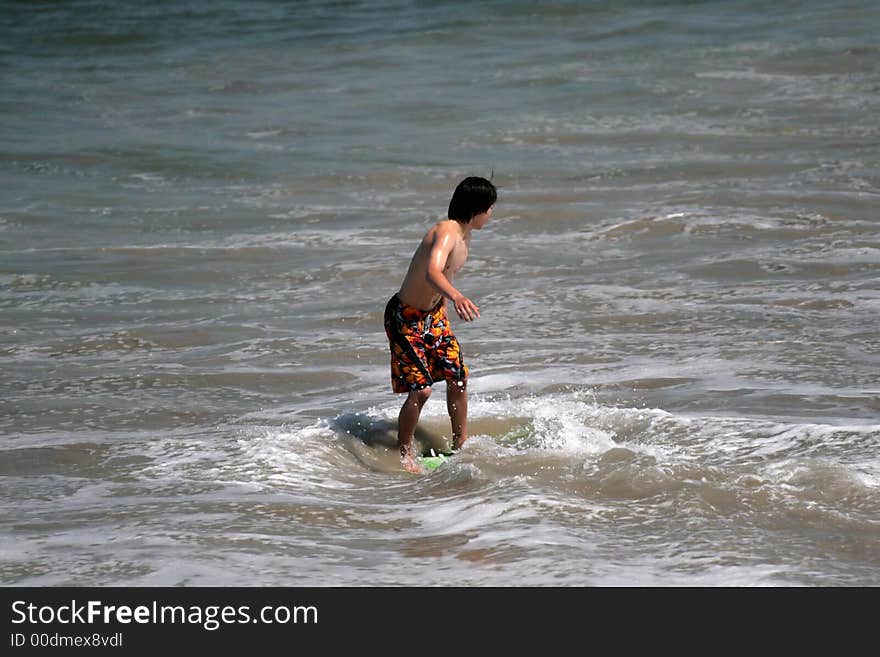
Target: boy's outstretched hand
{"points": [[466, 309]]}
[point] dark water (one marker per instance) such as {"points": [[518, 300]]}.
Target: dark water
{"points": [[206, 205]]}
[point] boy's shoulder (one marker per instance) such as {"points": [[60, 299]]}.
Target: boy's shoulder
{"points": [[445, 230], [444, 226]]}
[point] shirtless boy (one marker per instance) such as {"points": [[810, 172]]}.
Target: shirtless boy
{"points": [[423, 347]]}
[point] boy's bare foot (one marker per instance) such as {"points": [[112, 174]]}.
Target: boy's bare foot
{"points": [[409, 462], [411, 465]]}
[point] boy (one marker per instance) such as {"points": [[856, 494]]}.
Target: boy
{"points": [[423, 347]]}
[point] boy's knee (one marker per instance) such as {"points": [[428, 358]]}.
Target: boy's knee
{"points": [[420, 396], [456, 386]]}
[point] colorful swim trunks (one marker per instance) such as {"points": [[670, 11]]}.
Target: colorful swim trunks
{"points": [[423, 347]]}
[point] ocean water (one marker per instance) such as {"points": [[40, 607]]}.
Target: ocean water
{"points": [[204, 207]]}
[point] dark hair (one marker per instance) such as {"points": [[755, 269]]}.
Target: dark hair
{"points": [[472, 196]]}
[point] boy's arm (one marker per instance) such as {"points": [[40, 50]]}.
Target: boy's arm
{"points": [[444, 242]]}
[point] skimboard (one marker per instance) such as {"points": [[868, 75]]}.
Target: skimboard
{"points": [[433, 460], [431, 446]]}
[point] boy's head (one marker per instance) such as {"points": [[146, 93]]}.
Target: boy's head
{"points": [[473, 196]]}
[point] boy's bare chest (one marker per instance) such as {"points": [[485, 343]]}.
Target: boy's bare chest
{"points": [[457, 257]]}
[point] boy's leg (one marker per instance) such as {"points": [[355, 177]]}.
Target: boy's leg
{"points": [[456, 404], [406, 427]]}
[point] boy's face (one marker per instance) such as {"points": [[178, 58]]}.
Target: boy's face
{"points": [[479, 220]]}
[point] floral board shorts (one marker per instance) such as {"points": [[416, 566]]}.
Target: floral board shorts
{"points": [[423, 347]]}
